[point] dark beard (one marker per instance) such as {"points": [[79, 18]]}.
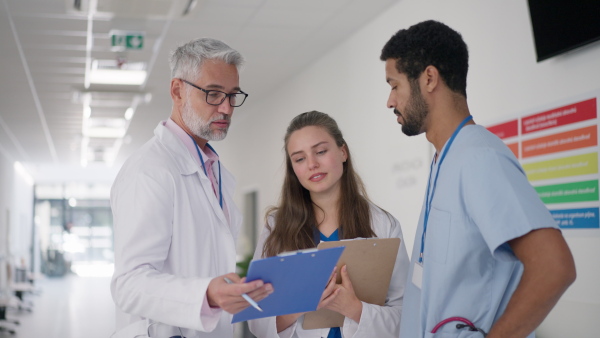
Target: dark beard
{"points": [[410, 127], [415, 112]]}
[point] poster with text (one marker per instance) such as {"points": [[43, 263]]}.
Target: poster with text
{"points": [[558, 149]]}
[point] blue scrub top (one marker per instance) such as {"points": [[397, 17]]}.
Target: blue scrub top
{"points": [[482, 201], [334, 332]]}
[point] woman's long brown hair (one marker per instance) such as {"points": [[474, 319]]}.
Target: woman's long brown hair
{"points": [[294, 217]]}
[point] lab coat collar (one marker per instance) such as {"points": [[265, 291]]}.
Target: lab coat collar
{"points": [[183, 159], [187, 165]]}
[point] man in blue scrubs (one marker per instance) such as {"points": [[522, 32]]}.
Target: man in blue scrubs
{"points": [[487, 252]]}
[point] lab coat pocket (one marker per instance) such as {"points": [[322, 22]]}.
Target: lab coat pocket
{"points": [[437, 236]]}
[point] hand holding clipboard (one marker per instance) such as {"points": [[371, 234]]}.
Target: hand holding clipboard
{"points": [[370, 264], [298, 280]]}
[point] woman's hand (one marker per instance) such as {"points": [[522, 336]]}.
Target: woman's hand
{"points": [[343, 299], [285, 321], [329, 293]]}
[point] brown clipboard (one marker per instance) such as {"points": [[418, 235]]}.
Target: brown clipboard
{"points": [[370, 263]]}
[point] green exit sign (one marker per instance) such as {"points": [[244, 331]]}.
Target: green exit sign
{"points": [[124, 40]]}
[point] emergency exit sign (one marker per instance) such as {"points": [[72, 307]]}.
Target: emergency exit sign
{"points": [[127, 40]]}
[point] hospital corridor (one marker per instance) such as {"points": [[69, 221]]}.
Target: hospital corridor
{"points": [[63, 290], [171, 144], [70, 306]]}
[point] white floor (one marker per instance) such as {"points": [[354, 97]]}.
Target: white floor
{"points": [[67, 307]]}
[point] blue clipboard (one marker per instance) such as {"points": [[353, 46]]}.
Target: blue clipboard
{"points": [[298, 280]]}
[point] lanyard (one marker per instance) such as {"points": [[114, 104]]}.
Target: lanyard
{"points": [[206, 173], [429, 197]]}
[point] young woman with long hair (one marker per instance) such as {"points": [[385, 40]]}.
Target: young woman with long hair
{"points": [[324, 199]]}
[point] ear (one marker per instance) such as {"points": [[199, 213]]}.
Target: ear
{"points": [[430, 78], [344, 153], [177, 91]]}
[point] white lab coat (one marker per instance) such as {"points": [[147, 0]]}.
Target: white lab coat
{"points": [[376, 321], [171, 239]]}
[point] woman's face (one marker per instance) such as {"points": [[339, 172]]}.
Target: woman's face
{"points": [[317, 160]]}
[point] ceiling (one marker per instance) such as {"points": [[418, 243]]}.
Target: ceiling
{"points": [[48, 48]]}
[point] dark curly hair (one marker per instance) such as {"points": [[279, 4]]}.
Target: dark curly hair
{"points": [[430, 43]]}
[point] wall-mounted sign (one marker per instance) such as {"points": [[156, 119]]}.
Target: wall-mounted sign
{"points": [[121, 40], [558, 149]]}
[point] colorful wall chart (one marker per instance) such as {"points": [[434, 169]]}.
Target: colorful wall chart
{"points": [[558, 149]]}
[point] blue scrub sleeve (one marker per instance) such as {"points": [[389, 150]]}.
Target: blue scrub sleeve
{"points": [[500, 200]]}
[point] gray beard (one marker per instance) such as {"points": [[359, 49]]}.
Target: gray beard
{"points": [[199, 127]]}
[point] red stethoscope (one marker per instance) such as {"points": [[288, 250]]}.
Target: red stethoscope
{"points": [[465, 323]]}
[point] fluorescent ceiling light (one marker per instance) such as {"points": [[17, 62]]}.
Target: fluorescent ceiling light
{"points": [[129, 113], [87, 112], [112, 72], [104, 132], [117, 76], [105, 128]]}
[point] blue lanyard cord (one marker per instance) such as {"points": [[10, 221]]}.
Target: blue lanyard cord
{"points": [[206, 173], [429, 197]]}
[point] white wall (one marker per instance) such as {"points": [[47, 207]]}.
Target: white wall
{"points": [[6, 174], [21, 219], [16, 213], [348, 83], [5, 196]]}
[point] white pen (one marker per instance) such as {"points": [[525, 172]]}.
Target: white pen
{"points": [[246, 297]]}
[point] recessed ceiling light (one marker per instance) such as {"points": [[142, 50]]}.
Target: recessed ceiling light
{"points": [[129, 113], [105, 128], [87, 112], [112, 72], [117, 76]]}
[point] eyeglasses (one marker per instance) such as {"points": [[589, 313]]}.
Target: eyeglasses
{"points": [[216, 97]]}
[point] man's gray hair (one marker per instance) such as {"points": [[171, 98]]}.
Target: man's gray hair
{"points": [[187, 59]]}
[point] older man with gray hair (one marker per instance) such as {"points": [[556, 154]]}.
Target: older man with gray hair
{"points": [[175, 221]]}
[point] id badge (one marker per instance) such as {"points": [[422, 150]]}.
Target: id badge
{"points": [[417, 277]]}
